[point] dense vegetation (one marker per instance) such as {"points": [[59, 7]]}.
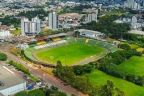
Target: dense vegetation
{"points": [[10, 20], [76, 9], [83, 84], [3, 57], [53, 91], [107, 25], [134, 39], [15, 20], [31, 14]]}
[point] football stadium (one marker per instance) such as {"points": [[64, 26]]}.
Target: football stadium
{"points": [[70, 51]]}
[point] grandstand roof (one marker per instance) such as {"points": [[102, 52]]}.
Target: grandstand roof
{"points": [[89, 31], [57, 35]]}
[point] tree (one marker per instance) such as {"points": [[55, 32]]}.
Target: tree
{"points": [[82, 83], [110, 90], [78, 70], [124, 46], [77, 33]]}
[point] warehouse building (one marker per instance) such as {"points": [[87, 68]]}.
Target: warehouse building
{"points": [[10, 82]]}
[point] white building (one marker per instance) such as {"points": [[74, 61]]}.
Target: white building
{"points": [[32, 27], [53, 21], [4, 34], [91, 16], [134, 22], [132, 4], [91, 34], [10, 82], [137, 23]]}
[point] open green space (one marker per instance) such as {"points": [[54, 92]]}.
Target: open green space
{"points": [[99, 78], [68, 53], [134, 65]]}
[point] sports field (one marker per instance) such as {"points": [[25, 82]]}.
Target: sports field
{"points": [[69, 53], [99, 78], [72, 52], [134, 65]]}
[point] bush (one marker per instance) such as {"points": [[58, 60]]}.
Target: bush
{"points": [[20, 67], [3, 57]]}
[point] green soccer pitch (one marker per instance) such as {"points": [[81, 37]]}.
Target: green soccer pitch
{"points": [[74, 51]]}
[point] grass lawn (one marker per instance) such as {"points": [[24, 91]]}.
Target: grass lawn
{"points": [[69, 53], [99, 78], [36, 92], [134, 65]]}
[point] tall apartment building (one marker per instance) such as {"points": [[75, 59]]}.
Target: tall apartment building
{"points": [[133, 4], [91, 16], [32, 27], [53, 21]]}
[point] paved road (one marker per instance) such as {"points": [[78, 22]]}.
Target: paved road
{"points": [[49, 79]]}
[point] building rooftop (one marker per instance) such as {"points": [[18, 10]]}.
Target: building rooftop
{"points": [[138, 32], [57, 35], [89, 31], [8, 78]]}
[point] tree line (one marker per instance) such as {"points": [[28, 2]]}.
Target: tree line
{"points": [[15, 20], [109, 63], [10, 20], [41, 13], [73, 76]]}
